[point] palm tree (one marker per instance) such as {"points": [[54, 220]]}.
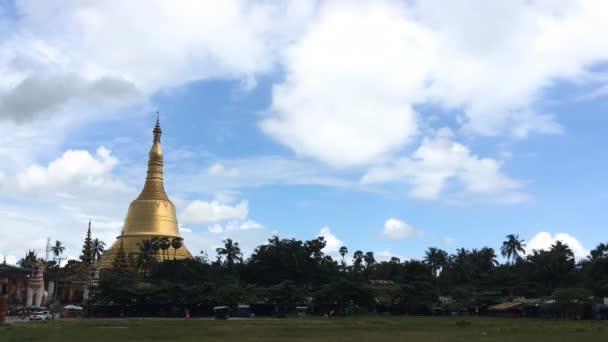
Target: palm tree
{"points": [[369, 259], [164, 243], [561, 251], [231, 251], [176, 243], [146, 257], [461, 263], [599, 252], [57, 249], [155, 241], [98, 248], [485, 259], [357, 258], [343, 252], [512, 247], [436, 258]]}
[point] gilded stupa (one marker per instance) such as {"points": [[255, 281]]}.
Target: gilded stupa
{"points": [[151, 215]]}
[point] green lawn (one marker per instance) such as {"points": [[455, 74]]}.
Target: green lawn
{"points": [[371, 328]]}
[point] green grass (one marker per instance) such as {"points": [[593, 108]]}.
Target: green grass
{"points": [[370, 328]]}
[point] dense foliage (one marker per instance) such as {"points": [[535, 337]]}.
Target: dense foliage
{"points": [[292, 272]]}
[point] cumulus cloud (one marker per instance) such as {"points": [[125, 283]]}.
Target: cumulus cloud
{"points": [[398, 230], [74, 169], [115, 50], [438, 160], [353, 79], [350, 80], [204, 212], [35, 96], [333, 244], [544, 240]]}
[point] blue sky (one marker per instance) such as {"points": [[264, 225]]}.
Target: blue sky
{"points": [[385, 126]]}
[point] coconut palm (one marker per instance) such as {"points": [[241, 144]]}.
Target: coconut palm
{"points": [[484, 259], [231, 252], [513, 248], [98, 248], [57, 249], [176, 243], [436, 258], [146, 256]]}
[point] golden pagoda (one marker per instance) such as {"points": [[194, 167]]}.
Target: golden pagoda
{"points": [[151, 215]]}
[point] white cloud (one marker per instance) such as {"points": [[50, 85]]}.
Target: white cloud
{"points": [[353, 79], [544, 240], [220, 170], [108, 49], [184, 229], [203, 212], [74, 169], [248, 225], [438, 160], [398, 230], [235, 225], [262, 171], [216, 229], [333, 244], [350, 81]]}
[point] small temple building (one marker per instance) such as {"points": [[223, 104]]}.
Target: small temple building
{"points": [[151, 215]]}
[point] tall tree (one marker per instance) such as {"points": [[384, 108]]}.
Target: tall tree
{"points": [[369, 259], [146, 258], [343, 252], [599, 252], [164, 243], [358, 259], [231, 252], [513, 248], [98, 248], [176, 243], [57, 249], [436, 258]]}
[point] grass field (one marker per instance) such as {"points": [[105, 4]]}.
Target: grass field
{"points": [[309, 329]]}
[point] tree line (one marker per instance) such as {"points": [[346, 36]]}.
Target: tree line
{"points": [[291, 271]]}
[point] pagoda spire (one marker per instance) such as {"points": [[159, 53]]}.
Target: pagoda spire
{"points": [[87, 248], [154, 188], [157, 130]]}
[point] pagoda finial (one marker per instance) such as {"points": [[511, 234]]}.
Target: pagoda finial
{"points": [[157, 130]]}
